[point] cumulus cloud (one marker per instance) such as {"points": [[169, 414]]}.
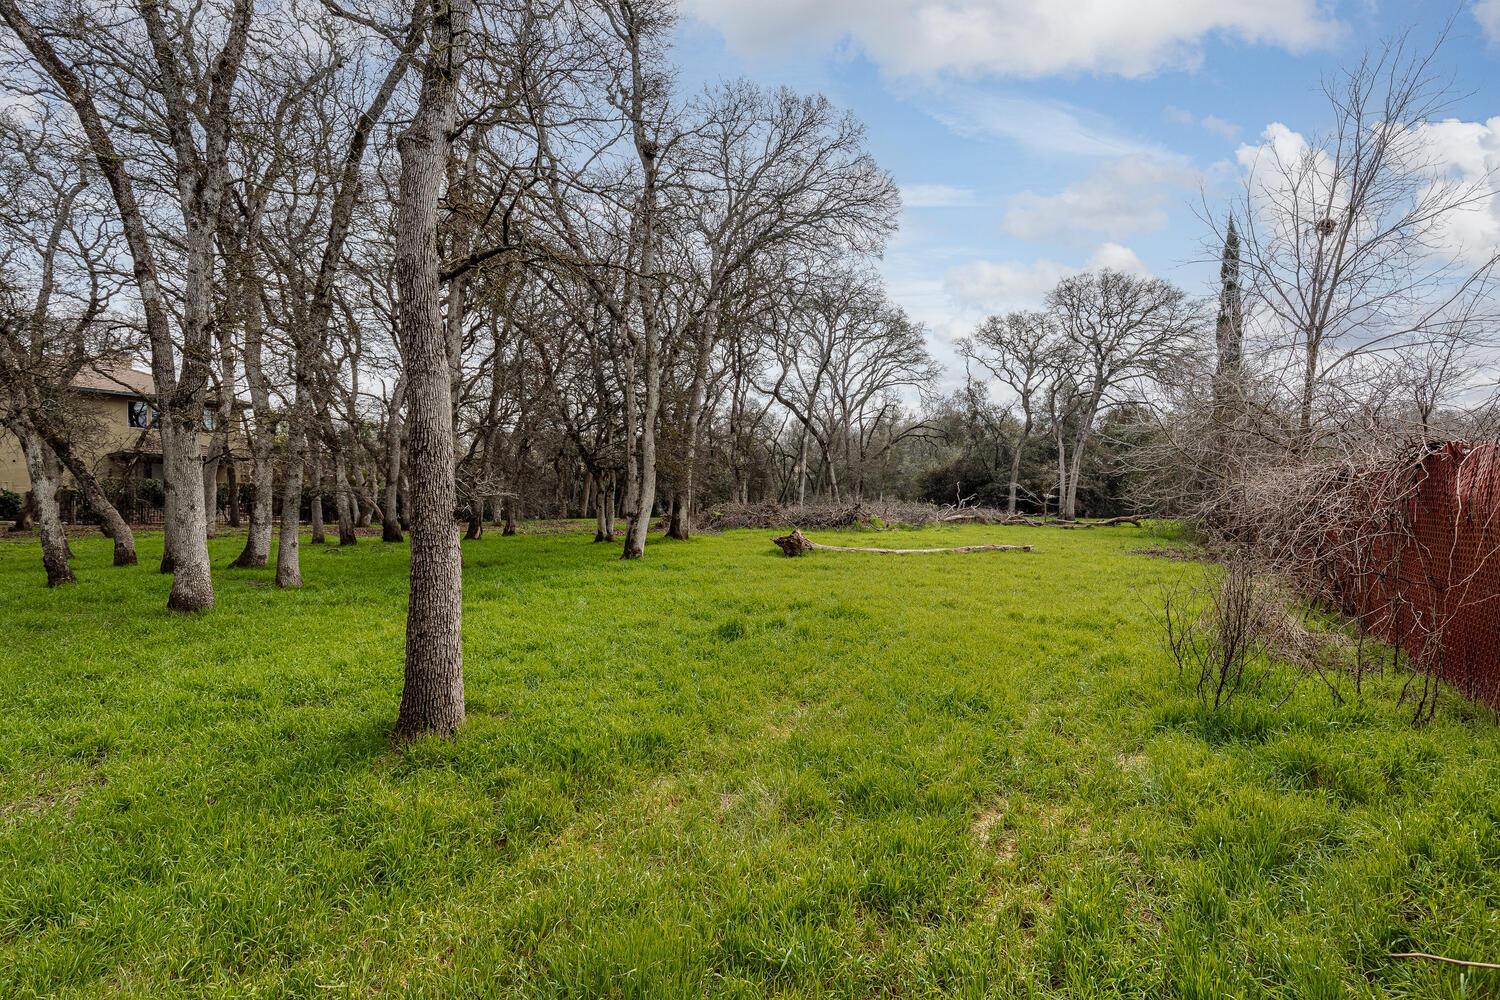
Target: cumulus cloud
{"points": [[1469, 153], [1487, 13], [998, 286], [1022, 38], [1466, 154], [936, 196], [1120, 198]]}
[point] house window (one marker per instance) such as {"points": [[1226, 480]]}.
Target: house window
{"points": [[139, 413], [210, 420]]}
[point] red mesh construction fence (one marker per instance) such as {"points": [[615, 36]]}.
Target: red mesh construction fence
{"points": [[1426, 573]]}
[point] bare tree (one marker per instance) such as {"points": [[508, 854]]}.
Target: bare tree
{"points": [[432, 697], [1348, 241], [1017, 350], [1124, 330]]}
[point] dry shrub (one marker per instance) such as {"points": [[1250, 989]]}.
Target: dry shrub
{"points": [[1217, 631], [1225, 631]]}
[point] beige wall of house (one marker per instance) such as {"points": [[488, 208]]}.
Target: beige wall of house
{"points": [[112, 434]]}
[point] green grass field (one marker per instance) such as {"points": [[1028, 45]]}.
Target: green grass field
{"points": [[716, 772]]}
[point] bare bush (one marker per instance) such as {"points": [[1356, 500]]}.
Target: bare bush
{"points": [[1217, 631]]}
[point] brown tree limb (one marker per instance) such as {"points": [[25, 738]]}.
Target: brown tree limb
{"points": [[797, 544], [1446, 960]]}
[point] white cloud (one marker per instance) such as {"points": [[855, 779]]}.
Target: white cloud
{"points": [[1221, 127], [1121, 198], [1178, 116], [1023, 38], [1463, 155], [998, 286], [1116, 258], [1470, 154], [936, 196], [1487, 13]]}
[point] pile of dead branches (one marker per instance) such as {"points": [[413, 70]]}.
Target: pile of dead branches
{"points": [[875, 514]]}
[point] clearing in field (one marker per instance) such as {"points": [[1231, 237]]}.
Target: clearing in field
{"points": [[716, 773]]}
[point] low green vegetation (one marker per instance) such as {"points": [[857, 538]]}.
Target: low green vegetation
{"points": [[715, 772]]}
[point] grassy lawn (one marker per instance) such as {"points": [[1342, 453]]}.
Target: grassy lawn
{"points": [[717, 772]]}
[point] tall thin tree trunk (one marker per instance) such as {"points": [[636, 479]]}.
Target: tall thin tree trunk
{"points": [[289, 545], [390, 529], [432, 696], [232, 491], [510, 517], [42, 466], [640, 525], [211, 491], [257, 551], [315, 485], [343, 499]]}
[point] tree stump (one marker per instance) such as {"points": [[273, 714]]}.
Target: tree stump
{"points": [[795, 544]]}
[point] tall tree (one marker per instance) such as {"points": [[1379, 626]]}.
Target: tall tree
{"points": [[1124, 330], [432, 697]]}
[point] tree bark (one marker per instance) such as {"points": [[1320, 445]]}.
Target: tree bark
{"points": [[315, 485], [343, 499], [289, 546], [390, 529], [432, 696], [42, 466], [257, 550], [113, 525]]}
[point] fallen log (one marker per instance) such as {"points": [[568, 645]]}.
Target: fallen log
{"points": [[798, 544], [1110, 522]]}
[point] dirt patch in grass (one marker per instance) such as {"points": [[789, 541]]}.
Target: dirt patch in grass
{"points": [[988, 829], [62, 797]]}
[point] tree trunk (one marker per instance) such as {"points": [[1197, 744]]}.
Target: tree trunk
{"points": [[432, 696], [475, 528], [315, 484], [802, 470], [1015, 468], [184, 519], [257, 551], [647, 150], [365, 508], [343, 499], [42, 466], [113, 525], [210, 474], [232, 492], [604, 511], [289, 546], [635, 539], [390, 529]]}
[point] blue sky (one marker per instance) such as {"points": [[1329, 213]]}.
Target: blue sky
{"points": [[1031, 138]]}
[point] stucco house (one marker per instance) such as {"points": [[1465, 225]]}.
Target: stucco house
{"points": [[124, 443]]}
